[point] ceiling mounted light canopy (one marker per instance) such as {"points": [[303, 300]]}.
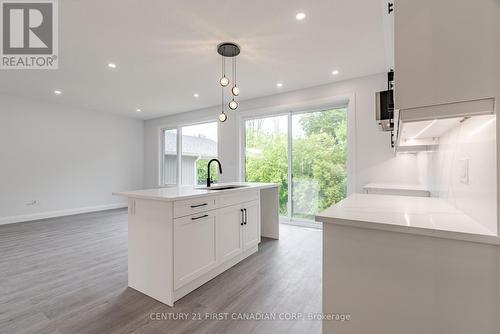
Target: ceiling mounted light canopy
{"points": [[228, 50]]}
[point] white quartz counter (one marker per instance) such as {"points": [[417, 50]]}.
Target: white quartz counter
{"points": [[404, 189], [416, 215], [185, 192]]}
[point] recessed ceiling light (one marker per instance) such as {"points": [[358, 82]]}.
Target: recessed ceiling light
{"points": [[111, 65], [196, 95], [335, 72], [300, 16], [138, 110], [57, 92], [279, 85]]}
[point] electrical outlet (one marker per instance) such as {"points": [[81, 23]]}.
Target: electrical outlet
{"points": [[463, 170]]}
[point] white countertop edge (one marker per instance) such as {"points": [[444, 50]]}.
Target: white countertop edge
{"points": [[129, 194], [444, 234], [396, 186], [197, 191]]}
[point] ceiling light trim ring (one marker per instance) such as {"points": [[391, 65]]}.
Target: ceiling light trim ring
{"points": [[228, 49]]}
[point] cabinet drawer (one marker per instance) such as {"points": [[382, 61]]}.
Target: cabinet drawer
{"points": [[238, 197], [194, 205], [194, 247]]}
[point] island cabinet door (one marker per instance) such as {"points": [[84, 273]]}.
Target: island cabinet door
{"points": [[251, 225], [194, 247], [229, 227]]}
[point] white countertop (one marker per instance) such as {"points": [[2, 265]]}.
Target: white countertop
{"points": [[185, 192], [396, 186], [403, 189], [417, 215]]}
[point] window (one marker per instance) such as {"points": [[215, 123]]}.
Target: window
{"points": [[170, 157], [198, 144], [319, 161], [305, 153], [266, 154]]}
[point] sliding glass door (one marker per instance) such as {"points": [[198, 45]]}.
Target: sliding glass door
{"points": [[306, 153], [266, 154], [319, 157]]}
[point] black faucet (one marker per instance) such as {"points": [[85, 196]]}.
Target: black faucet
{"points": [[209, 179]]}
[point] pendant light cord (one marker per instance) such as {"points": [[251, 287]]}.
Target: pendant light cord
{"points": [[222, 99], [222, 87], [223, 67], [234, 70]]}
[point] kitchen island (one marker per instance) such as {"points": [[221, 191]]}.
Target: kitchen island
{"points": [[401, 264], [181, 237]]}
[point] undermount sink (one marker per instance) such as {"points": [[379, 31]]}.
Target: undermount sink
{"points": [[222, 187]]}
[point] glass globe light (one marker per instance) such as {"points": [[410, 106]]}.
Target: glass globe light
{"points": [[236, 91], [222, 117], [233, 105], [224, 81]]}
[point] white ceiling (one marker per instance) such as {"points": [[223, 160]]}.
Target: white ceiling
{"points": [[166, 51]]}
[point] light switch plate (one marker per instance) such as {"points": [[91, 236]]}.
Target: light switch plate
{"points": [[463, 170]]}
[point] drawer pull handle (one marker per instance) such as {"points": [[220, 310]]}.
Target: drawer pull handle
{"points": [[197, 206], [196, 218]]}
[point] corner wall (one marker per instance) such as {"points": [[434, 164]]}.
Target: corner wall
{"points": [[68, 159]]}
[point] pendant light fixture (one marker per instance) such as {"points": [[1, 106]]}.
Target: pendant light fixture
{"points": [[233, 105], [222, 117], [228, 50], [224, 81]]}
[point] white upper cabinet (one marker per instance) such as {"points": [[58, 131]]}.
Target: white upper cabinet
{"points": [[446, 51]]}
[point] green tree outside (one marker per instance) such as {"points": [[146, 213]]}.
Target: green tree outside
{"points": [[319, 157], [201, 170]]}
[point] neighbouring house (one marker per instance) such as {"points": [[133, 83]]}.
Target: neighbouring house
{"points": [[193, 149]]}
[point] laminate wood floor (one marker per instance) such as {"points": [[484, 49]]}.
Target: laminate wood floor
{"points": [[69, 275]]}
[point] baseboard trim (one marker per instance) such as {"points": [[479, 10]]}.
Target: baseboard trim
{"points": [[60, 213]]}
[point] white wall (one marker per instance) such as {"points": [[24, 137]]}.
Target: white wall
{"points": [[473, 140], [71, 160], [374, 158]]}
